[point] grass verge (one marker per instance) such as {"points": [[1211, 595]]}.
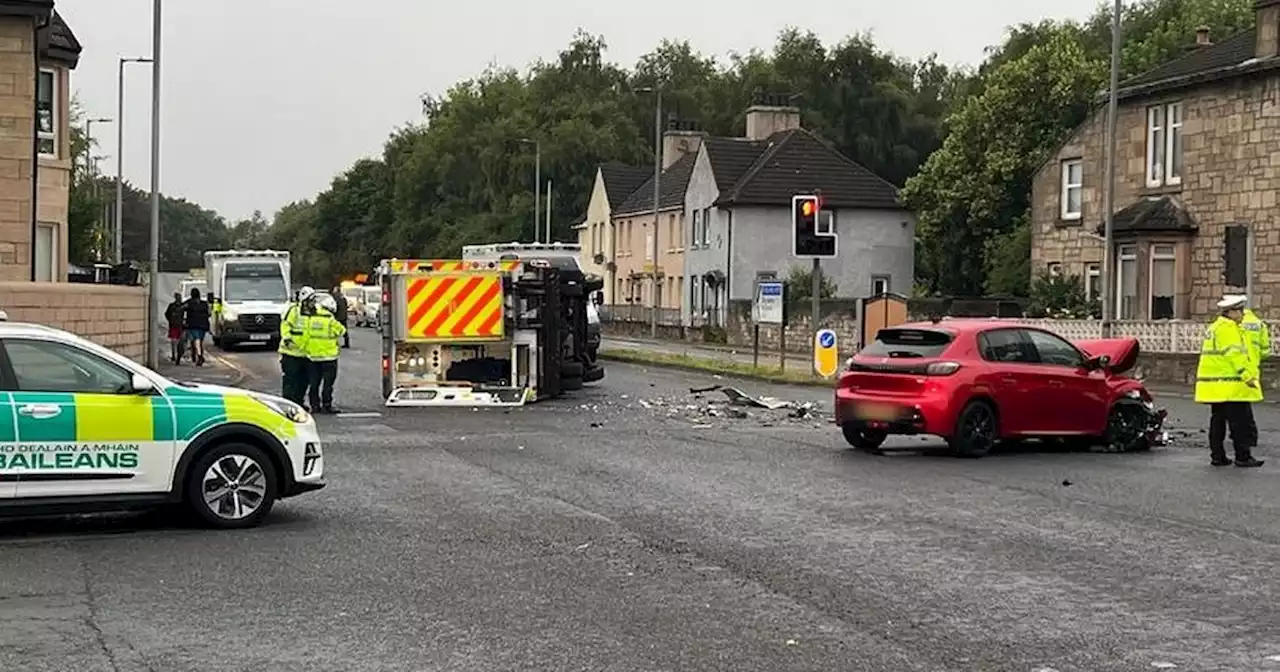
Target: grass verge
{"points": [[718, 366]]}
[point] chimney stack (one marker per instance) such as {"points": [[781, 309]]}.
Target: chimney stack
{"points": [[1202, 36], [774, 113], [681, 137], [1268, 28]]}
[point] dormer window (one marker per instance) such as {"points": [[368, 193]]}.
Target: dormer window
{"points": [[1164, 145]]}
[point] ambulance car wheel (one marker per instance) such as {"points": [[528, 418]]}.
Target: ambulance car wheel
{"points": [[232, 486]]}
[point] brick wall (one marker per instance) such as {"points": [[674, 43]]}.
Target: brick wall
{"points": [[113, 316], [17, 112]]}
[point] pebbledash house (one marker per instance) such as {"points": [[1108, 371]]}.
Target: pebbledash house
{"points": [[1198, 150]]}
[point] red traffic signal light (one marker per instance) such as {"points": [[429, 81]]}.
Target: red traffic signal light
{"points": [[807, 208]]}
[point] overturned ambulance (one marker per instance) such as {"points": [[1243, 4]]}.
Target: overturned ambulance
{"points": [[480, 333]]}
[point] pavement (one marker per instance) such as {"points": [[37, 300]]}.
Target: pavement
{"points": [[637, 526]]}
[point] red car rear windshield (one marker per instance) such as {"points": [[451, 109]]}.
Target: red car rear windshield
{"points": [[908, 343]]}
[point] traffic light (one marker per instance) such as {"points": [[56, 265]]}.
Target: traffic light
{"points": [[809, 238], [1235, 256]]}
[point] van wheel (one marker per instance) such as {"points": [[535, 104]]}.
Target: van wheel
{"points": [[866, 440], [232, 486], [571, 384], [976, 430]]}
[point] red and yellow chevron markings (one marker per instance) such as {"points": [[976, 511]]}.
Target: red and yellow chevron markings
{"points": [[459, 305]]}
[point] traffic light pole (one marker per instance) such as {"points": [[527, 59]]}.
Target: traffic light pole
{"points": [[816, 277]]}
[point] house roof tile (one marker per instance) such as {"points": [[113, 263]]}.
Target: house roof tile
{"points": [[1160, 215], [62, 44], [731, 158], [799, 162], [675, 181], [1220, 58], [621, 180]]}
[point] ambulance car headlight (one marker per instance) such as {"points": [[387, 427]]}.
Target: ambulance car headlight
{"points": [[230, 313], [288, 409]]}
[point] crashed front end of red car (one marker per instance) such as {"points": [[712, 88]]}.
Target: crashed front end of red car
{"points": [[1121, 355]]}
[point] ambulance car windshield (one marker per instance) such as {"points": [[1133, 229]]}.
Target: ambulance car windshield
{"points": [[255, 282]]}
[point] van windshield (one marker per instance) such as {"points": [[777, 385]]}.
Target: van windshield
{"points": [[254, 281], [913, 343]]}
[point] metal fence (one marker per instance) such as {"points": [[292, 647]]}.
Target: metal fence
{"points": [[636, 313], [1170, 336]]}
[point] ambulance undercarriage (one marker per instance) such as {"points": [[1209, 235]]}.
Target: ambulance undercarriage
{"points": [[461, 333]]}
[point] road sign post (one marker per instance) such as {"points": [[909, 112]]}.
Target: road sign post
{"points": [[769, 308], [826, 354]]}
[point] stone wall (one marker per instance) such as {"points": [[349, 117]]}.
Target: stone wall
{"points": [[109, 315], [17, 135], [840, 315]]}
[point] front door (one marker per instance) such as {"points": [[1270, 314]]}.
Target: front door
{"points": [[1011, 379], [81, 429], [1074, 394]]}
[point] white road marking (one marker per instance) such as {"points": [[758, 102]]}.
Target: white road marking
{"points": [[368, 414]]}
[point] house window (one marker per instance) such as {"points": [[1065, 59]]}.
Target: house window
{"points": [[1072, 189], [879, 285], [1093, 282], [1164, 145], [1127, 283], [702, 291], [671, 232], [1055, 269], [706, 226], [47, 112], [1164, 282], [46, 252], [697, 228]]}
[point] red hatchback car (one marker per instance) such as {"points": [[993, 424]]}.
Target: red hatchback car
{"points": [[977, 382]]}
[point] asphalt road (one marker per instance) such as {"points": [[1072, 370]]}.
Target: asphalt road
{"points": [[637, 527]]}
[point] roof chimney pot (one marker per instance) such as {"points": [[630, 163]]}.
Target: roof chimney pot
{"points": [[1202, 36]]}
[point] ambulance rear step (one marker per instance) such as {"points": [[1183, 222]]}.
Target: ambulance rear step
{"points": [[460, 395]]}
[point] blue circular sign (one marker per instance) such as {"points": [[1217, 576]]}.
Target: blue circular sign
{"points": [[827, 339]]}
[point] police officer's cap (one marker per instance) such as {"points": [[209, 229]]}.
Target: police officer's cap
{"points": [[1231, 301], [306, 293]]}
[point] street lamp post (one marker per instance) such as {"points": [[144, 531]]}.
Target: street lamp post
{"points": [[537, 182], [91, 171], [1109, 200], [118, 223], [657, 192], [152, 341]]}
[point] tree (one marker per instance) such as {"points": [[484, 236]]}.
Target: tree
{"points": [[799, 286]]}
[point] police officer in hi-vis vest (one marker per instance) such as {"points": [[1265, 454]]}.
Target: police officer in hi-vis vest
{"points": [[294, 366], [324, 332], [1227, 379]]}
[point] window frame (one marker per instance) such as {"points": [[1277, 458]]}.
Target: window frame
{"points": [[53, 135], [1081, 359], [1121, 257], [11, 381], [1067, 186], [697, 229], [877, 279], [1152, 258], [706, 227], [1054, 269], [1092, 271], [1164, 144], [54, 248], [984, 345]]}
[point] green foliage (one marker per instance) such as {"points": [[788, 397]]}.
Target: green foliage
{"points": [[799, 286], [465, 175], [972, 194], [1009, 262], [1061, 297]]}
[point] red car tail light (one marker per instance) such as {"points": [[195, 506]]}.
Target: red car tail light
{"points": [[942, 368]]}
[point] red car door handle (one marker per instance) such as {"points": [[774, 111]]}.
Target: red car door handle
{"points": [[1055, 383], [1009, 379]]}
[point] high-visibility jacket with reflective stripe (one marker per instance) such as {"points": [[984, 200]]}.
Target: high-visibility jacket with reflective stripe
{"points": [[1257, 335], [293, 332], [1225, 365], [323, 332]]}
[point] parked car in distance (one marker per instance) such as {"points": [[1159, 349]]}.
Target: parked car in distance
{"points": [[977, 382]]}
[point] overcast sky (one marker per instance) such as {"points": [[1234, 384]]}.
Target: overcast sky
{"points": [[265, 101]]}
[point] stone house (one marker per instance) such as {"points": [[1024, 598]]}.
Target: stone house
{"points": [[38, 51], [739, 197], [1198, 150], [613, 184]]}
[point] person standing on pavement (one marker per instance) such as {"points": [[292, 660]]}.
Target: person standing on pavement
{"points": [[323, 332], [196, 319], [1227, 380], [340, 312], [1257, 336], [293, 343], [173, 317]]}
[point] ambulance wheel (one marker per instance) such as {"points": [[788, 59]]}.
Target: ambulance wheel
{"points": [[232, 486]]}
